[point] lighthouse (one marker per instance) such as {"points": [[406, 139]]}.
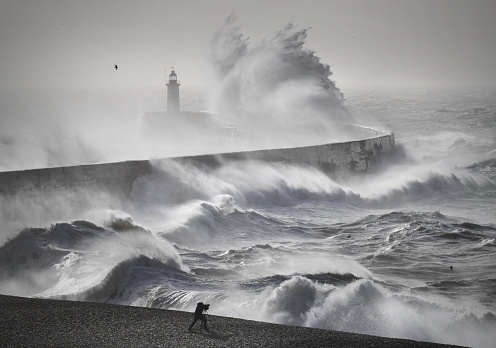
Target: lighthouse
{"points": [[173, 92]]}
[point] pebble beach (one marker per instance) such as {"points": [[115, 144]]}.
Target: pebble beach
{"points": [[28, 322]]}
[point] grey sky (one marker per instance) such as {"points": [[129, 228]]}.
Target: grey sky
{"points": [[383, 42]]}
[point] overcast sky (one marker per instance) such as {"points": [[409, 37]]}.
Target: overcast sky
{"points": [[440, 43]]}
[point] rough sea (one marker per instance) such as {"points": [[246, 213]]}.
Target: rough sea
{"points": [[408, 251], [286, 243]]}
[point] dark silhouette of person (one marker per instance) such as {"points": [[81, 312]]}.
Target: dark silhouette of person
{"points": [[200, 307], [116, 67], [451, 268]]}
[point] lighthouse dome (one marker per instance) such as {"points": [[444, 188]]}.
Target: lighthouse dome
{"points": [[173, 73]]}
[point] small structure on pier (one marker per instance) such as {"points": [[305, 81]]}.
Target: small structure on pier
{"points": [[173, 84]]}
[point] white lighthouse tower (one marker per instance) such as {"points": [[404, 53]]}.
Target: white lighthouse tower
{"points": [[173, 92]]}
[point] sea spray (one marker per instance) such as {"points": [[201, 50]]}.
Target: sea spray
{"points": [[42, 208], [290, 302], [367, 307], [275, 86], [80, 260]]}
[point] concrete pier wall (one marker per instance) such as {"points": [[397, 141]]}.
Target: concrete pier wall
{"points": [[112, 177], [335, 159]]}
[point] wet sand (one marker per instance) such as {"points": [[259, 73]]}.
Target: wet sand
{"points": [[28, 322]]}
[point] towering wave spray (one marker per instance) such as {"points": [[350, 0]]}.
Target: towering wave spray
{"points": [[275, 85]]}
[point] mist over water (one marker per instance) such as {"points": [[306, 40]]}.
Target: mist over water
{"points": [[58, 128], [283, 243]]}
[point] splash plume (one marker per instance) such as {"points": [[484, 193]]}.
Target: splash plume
{"points": [[275, 84]]}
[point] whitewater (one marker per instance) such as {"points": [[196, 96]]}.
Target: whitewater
{"points": [[407, 251]]}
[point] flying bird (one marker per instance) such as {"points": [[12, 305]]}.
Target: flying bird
{"points": [[116, 67]]}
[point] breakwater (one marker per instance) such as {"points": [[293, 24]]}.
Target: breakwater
{"points": [[335, 159]]}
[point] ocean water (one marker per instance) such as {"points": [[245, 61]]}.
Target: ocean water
{"points": [[407, 252], [286, 243]]}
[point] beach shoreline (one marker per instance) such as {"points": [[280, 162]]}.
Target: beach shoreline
{"points": [[29, 322]]}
